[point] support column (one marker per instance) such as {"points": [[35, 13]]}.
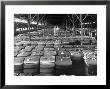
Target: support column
{"points": [[81, 21], [91, 34], [29, 17], [84, 33], [81, 26]]}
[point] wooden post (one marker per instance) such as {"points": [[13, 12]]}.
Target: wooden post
{"points": [[37, 22], [73, 26], [81, 21], [29, 18], [81, 24]]}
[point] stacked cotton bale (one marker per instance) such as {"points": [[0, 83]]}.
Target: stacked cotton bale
{"points": [[63, 65], [47, 65], [25, 52], [47, 61], [18, 60], [17, 49], [53, 55], [31, 65], [57, 44], [18, 65], [63, 53], [91, 60], [63, 62]]}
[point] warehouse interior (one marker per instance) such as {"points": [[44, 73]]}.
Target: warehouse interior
{"points": [[55, 44]]}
